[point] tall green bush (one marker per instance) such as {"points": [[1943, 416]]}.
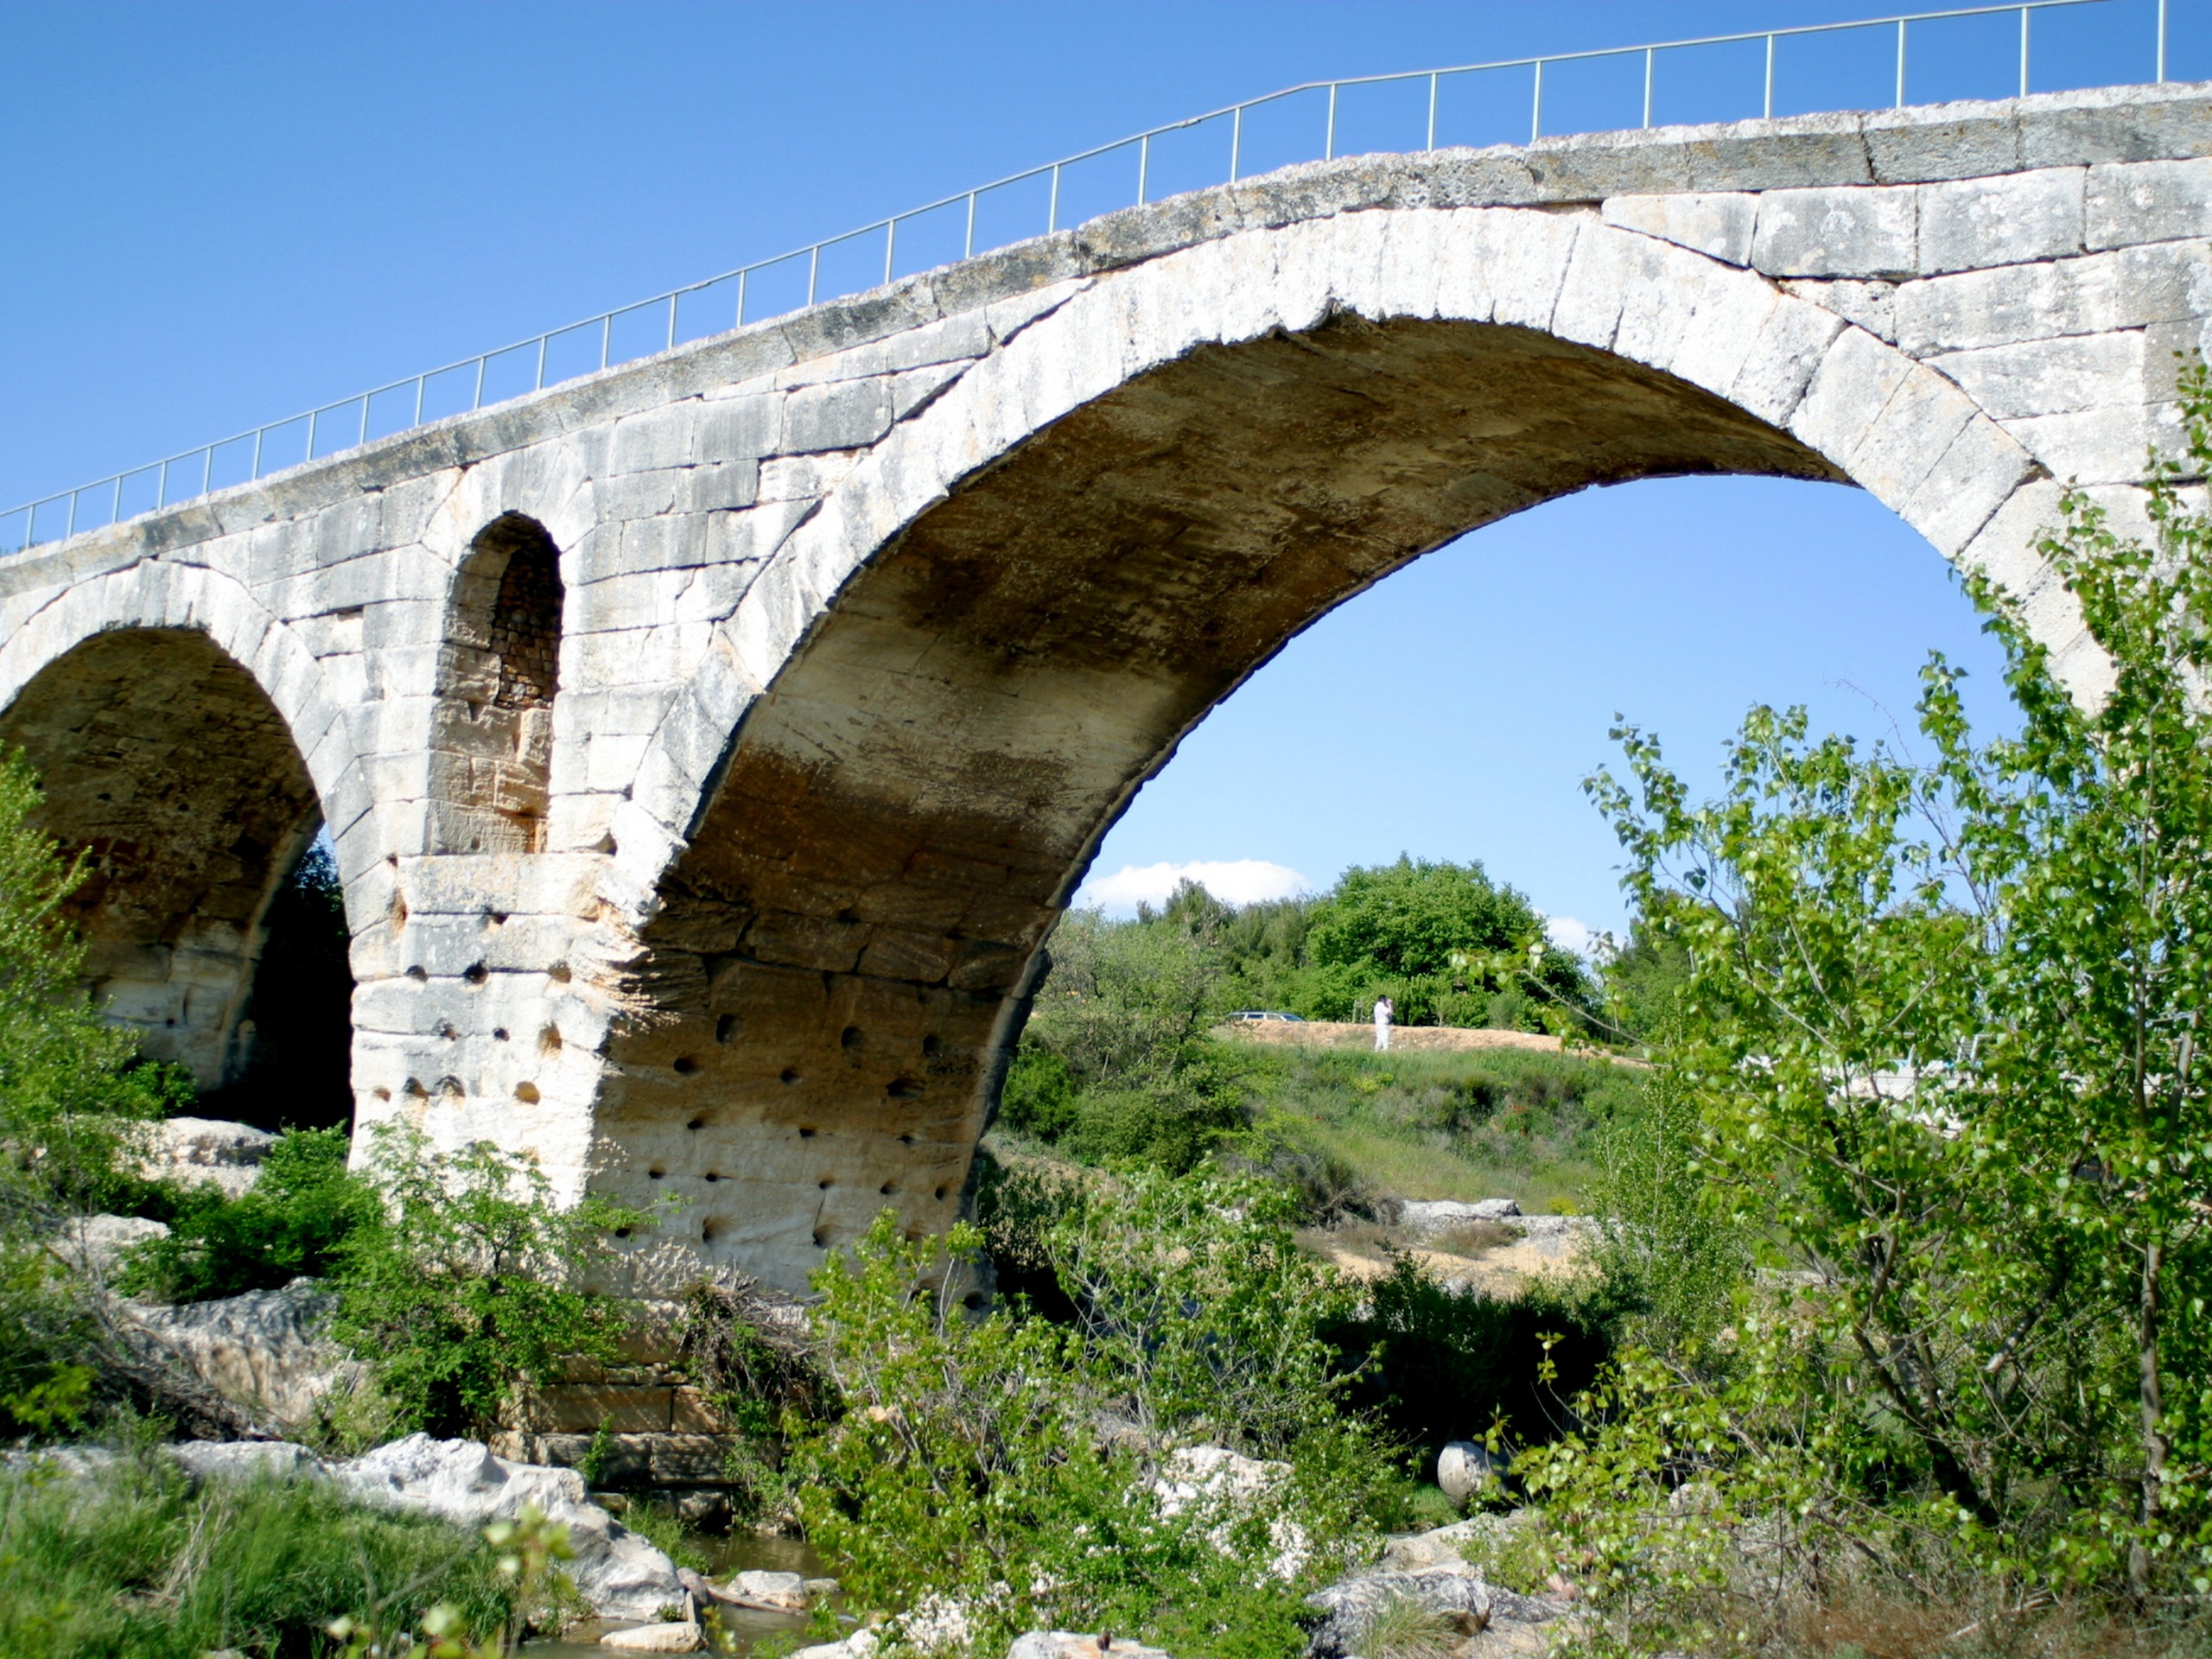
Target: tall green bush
{"points": [[1941, 1024], [468, 1283]]}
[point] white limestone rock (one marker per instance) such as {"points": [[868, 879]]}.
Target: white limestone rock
{"points": [[683, 1636], [94, 1245], [1066, 1644], [617, 1571], [1425, 1217], [1466, 1469], [773, 1593], [244, 1459], [207, 1151], [266, 1351]]}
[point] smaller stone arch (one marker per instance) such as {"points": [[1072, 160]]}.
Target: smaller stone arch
{"points": [[168, 770], [498, 673]]}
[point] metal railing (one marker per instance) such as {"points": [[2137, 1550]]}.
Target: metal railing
{"points": [[251, 453]]}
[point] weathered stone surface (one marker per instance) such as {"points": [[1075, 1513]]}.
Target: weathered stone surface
{"points": [[617, 1571], [710, 744], [202, 1151], [265, 1352], [94, 1245]]}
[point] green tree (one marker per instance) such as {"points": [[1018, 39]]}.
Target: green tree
{"points": [[1441, 940], [1941, 1021]]}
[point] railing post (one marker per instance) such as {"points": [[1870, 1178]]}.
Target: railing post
{"points": [[1432, 111], [672, 300], [1536, 106], [161, 487], [1766, 103], [314, 416], [542, 341], [890, 248], [1900, 63], [207, 472], [2162, 42], [1235, 141], [364, 438], [1144, 167], [114, 510], [606, 338], [2024, 15], [1329, 152], [1647, 86], [1052, 207], [968, 248], [482, 363], [421, 385], [259, 433], [813, 272], [741, 276]]}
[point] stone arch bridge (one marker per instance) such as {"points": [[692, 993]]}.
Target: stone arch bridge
{"points": [[709, 746]]}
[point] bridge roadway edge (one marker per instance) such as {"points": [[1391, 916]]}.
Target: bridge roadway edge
{"points": [[560, 972]]}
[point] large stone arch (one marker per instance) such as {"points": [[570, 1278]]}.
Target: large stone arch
{"points": [[869, 806]]}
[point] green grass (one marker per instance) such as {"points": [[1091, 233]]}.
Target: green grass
{"points": [[1485, 1123], [136, 1565]]}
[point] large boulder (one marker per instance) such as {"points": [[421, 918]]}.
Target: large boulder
{"points": [[622, 1575], [1427, 1217], [1465, 1470], [94, 1246], [267, 1352], [207, 1151], [1066, 1644], [1456, 1597]]}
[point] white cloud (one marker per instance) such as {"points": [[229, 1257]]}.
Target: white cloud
{"points": [[1234, 881], [1584, 940]]}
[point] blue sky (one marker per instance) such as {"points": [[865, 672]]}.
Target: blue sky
{"points": [[221, 214]]}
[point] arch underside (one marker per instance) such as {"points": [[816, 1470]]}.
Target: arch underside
{"points": [[840, 952], [165, 765]]}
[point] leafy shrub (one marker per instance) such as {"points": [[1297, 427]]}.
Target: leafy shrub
{"points": [[295, 1220], [1941, 1022], [1008, 1463], [138, 1564], [73, 1103], [1451, 1364], [467, 1281]]}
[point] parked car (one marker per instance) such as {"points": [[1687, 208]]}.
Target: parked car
{"points": [[1267, 1013]]}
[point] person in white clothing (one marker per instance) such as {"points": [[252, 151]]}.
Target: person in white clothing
{"points": [[1382, 1013]]}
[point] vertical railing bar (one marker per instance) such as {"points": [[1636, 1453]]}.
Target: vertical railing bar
{"points": [[2162, 42], [207, 472], [313, 418], [1235, 142], [1900, 63], [161, 486], [606, 338], [482, 363], [1144, 167], [1052, 207], [421, 385], [671, 321], [259, 433], [115, 507], [1647, 87], [968, 248], [1329, 151], [1432, 111], [1766, 103], [890, 248], [1536, 106], [2025, 13], [364, 438], [542, 340], [741, 277], [813, 271]]}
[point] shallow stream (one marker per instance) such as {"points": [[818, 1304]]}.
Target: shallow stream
{"points": [[740, 1552]]}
